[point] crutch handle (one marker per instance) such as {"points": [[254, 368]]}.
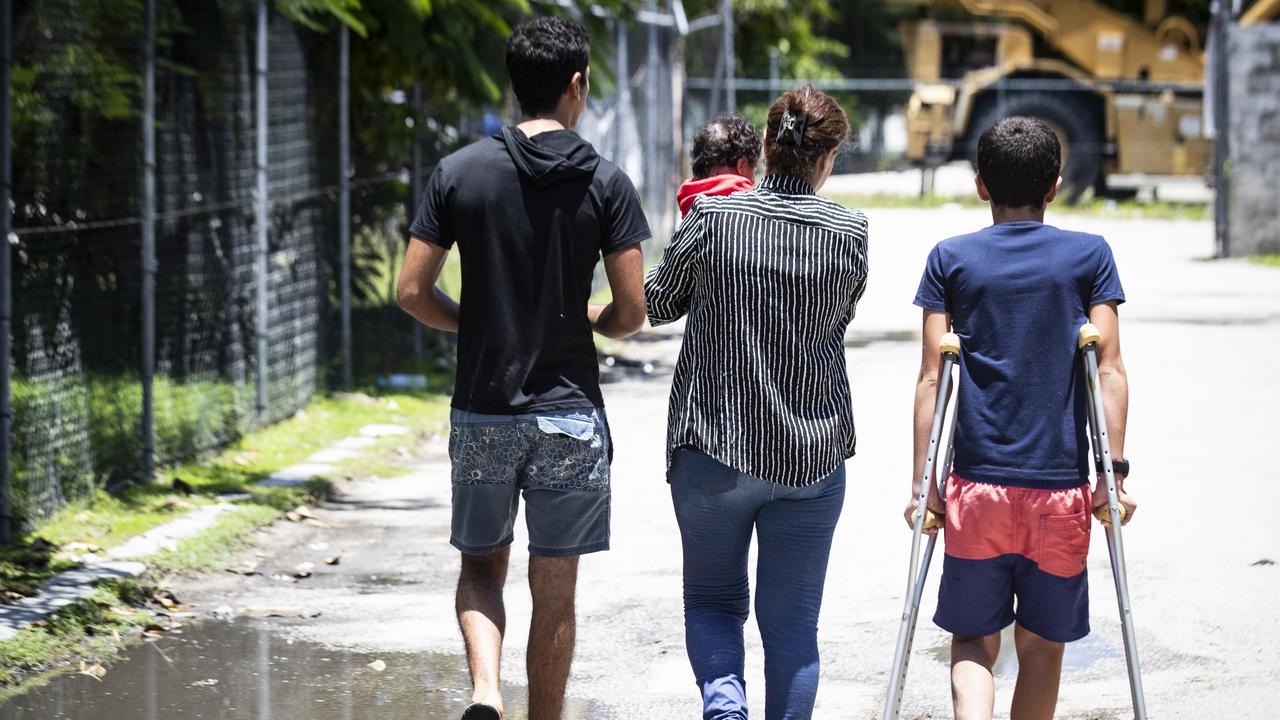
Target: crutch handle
{"points": [[931, 519], [1102, 512], [950, 344], [1088, 334]]}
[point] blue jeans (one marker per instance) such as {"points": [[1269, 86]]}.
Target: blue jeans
{"points": [[718, 508]]}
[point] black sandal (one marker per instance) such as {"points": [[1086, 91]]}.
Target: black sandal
{"points": [[480, 711]]}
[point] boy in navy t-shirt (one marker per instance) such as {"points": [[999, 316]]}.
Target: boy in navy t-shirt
{"points": [[1018, 502]]}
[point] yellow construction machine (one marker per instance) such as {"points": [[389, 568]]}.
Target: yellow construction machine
{"points": [[1125, 96]]}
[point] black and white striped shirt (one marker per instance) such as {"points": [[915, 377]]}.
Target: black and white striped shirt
{"points": [[770, 279]]}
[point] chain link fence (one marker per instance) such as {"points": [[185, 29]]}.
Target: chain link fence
{"points": [[86, 278], [78, 261]]}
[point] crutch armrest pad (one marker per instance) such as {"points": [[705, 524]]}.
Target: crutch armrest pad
{"points": [[1088, 334], [931, 519], [1103, 513], [950, 344]]}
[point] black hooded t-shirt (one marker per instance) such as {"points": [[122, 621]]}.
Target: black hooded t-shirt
{"points": [[531, 218]]}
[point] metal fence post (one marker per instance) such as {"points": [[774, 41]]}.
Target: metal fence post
{"points": [[260, 264], [344, 196], [415, 191], [6, 270], [651, 184], [149, 246], [1221, 126], [730, 71], [775, 76], [622, 116]]}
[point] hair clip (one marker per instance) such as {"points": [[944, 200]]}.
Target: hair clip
{"points": [[791, 129]]}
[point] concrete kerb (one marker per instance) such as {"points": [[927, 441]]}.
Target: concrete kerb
{"points": [[123, 561]]}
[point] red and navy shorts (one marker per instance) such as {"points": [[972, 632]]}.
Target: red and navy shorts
{"points": [[1007, 544]]}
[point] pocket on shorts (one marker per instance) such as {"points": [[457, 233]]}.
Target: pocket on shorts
{"points": [[576, 428], [1064, 543], [568, 452]]}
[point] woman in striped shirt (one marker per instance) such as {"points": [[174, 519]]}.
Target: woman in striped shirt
{"points": [[760, 418]]}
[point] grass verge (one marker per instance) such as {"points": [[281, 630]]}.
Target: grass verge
{"points": [[93, 630], [1272, 259], [1097, 207], [89, 630]]}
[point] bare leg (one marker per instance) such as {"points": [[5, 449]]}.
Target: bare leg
{"points": [[551, 633], [483, 620], [973, 687], [1039, 672]]}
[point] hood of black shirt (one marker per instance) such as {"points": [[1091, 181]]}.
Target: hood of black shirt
{"points": [[550, 157]]}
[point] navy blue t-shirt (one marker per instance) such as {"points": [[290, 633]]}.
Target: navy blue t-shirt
{"points": [[1017, 294]]}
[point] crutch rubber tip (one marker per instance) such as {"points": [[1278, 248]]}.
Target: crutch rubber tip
{"points": [[1088, 334], [1103, 513], [950, 344]]}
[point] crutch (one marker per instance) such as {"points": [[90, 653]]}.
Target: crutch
{"points": [[1114, 514], [950, 349]]}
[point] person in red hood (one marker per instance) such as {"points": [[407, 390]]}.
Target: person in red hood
{"points": [[725, 154]]}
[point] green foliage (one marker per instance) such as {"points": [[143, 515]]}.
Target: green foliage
{"points": [[77, 434], [792, 27]]}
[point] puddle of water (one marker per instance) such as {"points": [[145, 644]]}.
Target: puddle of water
{"points": [[1079, 655], [262, 676]]}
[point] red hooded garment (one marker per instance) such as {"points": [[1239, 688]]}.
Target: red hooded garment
{"points": [[714, 185]]}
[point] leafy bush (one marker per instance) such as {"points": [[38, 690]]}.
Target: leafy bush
{"points": [[72, 433]]}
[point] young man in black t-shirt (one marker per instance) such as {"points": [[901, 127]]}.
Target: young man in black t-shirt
{"points": [[532, 210]]}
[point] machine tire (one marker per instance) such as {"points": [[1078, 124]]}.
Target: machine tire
{"points": [[1082, 146]]}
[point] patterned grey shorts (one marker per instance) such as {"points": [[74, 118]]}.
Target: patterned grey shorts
{"points": [[558, 460]]}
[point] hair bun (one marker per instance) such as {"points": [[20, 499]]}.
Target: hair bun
{"points": [[804, 124]]}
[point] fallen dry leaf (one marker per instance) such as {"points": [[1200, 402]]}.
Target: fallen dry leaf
{"points": [[154, 629], [300, 513], [95, 671], [378, 665], [173, 502], [333, 560], [303, 570], [166, 598], [1262, 562]]}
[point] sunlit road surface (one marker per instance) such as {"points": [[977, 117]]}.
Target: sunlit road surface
{"points": [[1199, 340]]}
